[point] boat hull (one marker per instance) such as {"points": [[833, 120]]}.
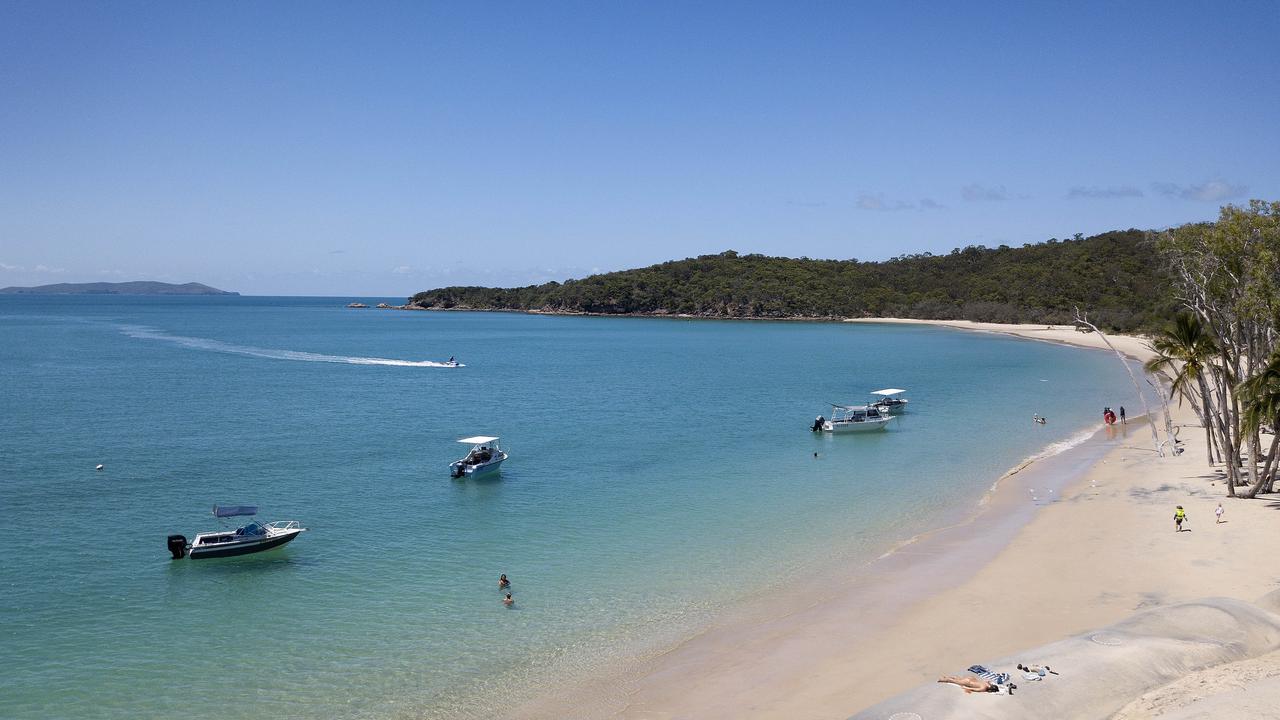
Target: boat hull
{"points": [[488, 468], [233, 549], [842, 428]]}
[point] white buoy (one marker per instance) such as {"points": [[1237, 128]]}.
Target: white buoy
{"points": [[100, 466]]}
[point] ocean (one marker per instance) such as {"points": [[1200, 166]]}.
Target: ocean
{"points": [[661, 471]]}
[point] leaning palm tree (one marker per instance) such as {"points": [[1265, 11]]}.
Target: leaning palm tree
{"points": [[1260, 396], [1184, 353]]}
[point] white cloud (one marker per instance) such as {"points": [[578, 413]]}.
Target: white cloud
{"points": [[4, 266], [1093, 191], [878, 202], [402, 270], [974, 192], [867, 201], [1212, 191], [47, 269], [871, 202]]}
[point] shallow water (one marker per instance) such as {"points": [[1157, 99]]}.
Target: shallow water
{"points": [[654, 463]]}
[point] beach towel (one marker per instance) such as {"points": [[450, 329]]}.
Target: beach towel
{"points": [[990, 676]]}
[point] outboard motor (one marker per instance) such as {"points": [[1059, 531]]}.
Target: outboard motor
{"points": [[178, 546], [817, 424]]}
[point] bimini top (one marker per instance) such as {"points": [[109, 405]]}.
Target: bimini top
{"points": [[234, 510], [888, 391], [838, 406], [478, 440]]}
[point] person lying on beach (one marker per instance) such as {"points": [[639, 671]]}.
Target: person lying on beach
{"points": [[508, 600], [972, 684]]}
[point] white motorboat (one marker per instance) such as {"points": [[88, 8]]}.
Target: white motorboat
{"points": [[251, 538], [890, 401], [853, 418], [486, 456]]}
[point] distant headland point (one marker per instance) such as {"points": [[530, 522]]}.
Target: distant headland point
{"points": [[140, 287]]}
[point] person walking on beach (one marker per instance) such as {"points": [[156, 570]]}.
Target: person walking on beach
{"points": [[1178, 516], [1218, 512], [1122, 420]]}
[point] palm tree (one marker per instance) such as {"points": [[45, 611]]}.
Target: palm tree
{"points": [[1185, 352], [1260, 396]]}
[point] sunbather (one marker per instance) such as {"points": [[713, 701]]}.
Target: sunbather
{"points": [[972, 684]]}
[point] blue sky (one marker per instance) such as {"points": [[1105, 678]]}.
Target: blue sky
{"points": [[381, 149]]}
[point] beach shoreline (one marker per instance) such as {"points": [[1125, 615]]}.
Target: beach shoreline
{"points": [[793, 654]]}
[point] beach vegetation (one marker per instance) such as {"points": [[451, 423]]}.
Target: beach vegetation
{"points": [[1227, 274], [1184, 353], [1111, 274]]}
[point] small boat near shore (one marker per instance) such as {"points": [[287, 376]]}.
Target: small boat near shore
{"points": [[251, 538], [853, 418], [486, 456], [890, 401]]}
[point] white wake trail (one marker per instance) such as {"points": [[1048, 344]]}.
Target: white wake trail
{"points": [[146, 333]]}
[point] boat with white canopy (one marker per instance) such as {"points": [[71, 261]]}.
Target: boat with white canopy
{"points": [[251, 538], [890, 401], [486, 456], [853, 418]]}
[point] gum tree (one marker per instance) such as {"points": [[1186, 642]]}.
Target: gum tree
{"points": [[1227, 273]]}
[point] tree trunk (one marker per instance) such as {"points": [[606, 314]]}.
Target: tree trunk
{"points": [[1205, 411], [1263, 479]]}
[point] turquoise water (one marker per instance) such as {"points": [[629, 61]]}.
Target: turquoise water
{"points": [[654, 463]]}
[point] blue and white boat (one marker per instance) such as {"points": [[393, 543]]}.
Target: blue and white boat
{"points": [[486, 457], [251, 538], [889, 400], [854, 418]]}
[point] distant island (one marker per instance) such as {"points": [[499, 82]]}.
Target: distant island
{"points": [[1114, 276], [140, 287]]}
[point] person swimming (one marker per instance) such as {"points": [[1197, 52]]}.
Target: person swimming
{"points": [[503, 582], [508, 600]]}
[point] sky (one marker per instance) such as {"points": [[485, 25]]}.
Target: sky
{"points": [[380, 149]]}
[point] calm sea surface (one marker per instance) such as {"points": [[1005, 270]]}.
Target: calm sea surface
{"points": [[654, 464]]}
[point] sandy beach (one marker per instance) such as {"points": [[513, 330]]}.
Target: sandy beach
{"points": [[1035, 563]]}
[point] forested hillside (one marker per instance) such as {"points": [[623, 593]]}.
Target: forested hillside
{"points": [[1114, 276]]}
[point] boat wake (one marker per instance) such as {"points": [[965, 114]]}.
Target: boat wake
{"points": [[146, 333]]}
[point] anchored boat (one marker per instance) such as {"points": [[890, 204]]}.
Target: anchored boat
{"points": [[486, 457], [251, 538], [853, 418], [890, 401]]}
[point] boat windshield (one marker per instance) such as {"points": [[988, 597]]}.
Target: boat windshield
{"points": [[252, 529]]}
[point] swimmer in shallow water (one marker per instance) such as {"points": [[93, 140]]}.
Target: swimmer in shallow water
{"points": [[508, 600], [503, 582]]}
